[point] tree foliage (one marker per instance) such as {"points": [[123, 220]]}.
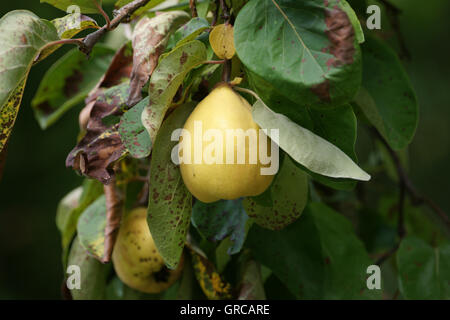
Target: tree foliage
{"points": [[311, 70]]}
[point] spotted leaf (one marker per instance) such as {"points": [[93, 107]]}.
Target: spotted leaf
{"points": [[284, 202], [23, 35], [150, 38], [167, 78], [307, 49], [170, 203]]}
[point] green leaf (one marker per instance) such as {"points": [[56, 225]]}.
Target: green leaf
{"points": [[166, 79], [307, 148], [91, 228], [22, 35], [68, 82], [86, 6], [65, 210], [203, 8], [294, 254], [387, 98], [133, 133], [251, 286], [359, 33], [218, 220], [336, 125], [67, 28], [344, 278], [170, 203], [311, 256], [93, 274], [117, 290], [188, 288], [424, 271], [188, 32], [307, 49], [287, 199], [68, 213]]}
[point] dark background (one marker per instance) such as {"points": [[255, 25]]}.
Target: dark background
{"points": [[35, 176]]}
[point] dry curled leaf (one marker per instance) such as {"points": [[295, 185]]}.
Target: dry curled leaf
{"points": [[101, 147], [113, 216], [150, 38], [119, 69]]}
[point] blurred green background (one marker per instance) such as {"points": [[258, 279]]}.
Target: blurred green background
{"points": [[35, 176]]}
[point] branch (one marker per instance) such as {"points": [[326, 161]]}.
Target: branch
{"points": [[113, 216], [216, 14], [415, 196], [225, 12], [193, 7], [120, 15], [401, 231], [103, 13], [393, 14], [214, 62]]}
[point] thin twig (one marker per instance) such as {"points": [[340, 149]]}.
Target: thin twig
{"points": [[387, 254], [393, 14], [104, 14], [225, 12], [415, 196], [193, 7], [121, 14], [216, 14], [214, 62], [78, 42], [406, 187]]}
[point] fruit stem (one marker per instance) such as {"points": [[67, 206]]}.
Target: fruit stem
{"points": [[226, 73]]}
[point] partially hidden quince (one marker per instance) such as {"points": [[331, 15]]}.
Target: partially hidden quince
{"points": [[136, 259], [221, 114]]}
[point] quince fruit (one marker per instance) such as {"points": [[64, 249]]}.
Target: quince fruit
{"points": [[210, 172], [136, 259]]}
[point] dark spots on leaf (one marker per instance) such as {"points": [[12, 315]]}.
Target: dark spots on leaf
{"points": [[183, 58], [71, 87], [341, 35], [322, 90], [45, 108]]}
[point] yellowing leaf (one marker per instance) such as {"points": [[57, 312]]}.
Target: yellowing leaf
{"points": [[8, 113], [222, 41], [22, 35], [211, 282]]}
